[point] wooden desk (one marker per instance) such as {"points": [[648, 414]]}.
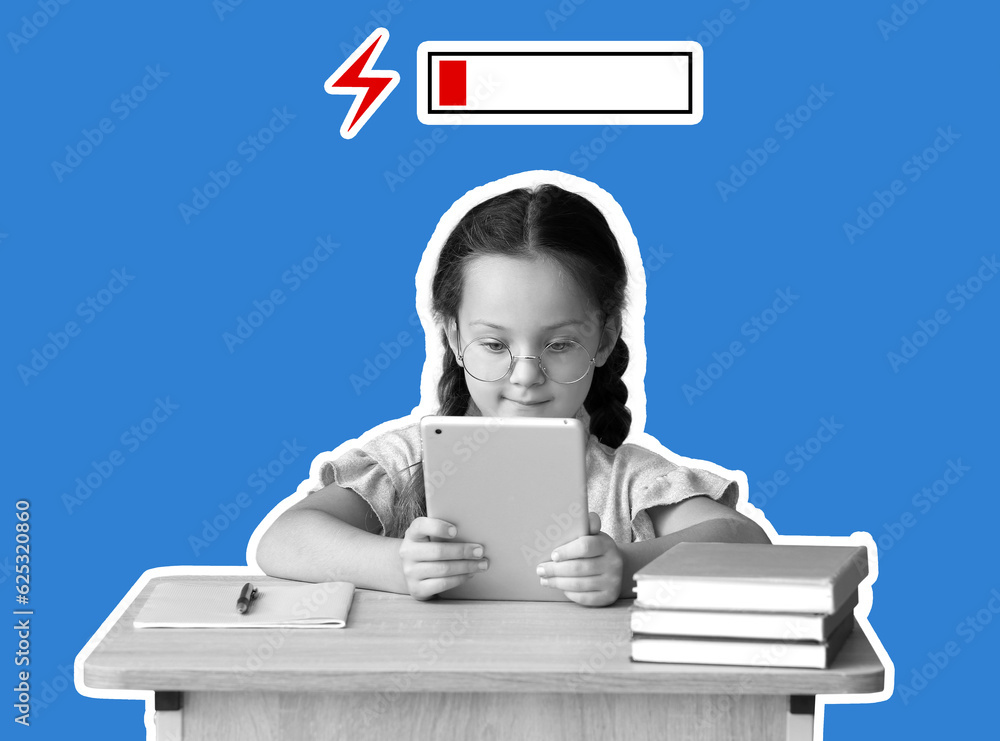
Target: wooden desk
{"points": [[453, 669]]}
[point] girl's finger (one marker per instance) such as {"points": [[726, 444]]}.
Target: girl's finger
{"points": [[595, 523], [429, 587], [576, 583], [425, 570], [592, 599], [575, 567], [588, 546], [425, 528], [438, 551]]}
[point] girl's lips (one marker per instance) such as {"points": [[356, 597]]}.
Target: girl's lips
{"points": [[526, 403]]}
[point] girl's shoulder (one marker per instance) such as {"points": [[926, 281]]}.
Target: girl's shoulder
{"points": [[627, 454], [384, 453], [397, 439], [645, 463], [393, 445]]}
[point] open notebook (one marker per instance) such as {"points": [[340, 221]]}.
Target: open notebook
{"points": [[179, 604]]}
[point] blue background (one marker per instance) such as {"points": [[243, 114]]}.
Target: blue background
{"points": [[826, 357]]}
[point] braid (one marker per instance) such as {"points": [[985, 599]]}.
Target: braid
{"points": [[610, 419], [408, 504], [453, 391]]}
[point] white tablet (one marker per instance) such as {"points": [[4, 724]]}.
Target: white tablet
{"points": [[517, 485]]}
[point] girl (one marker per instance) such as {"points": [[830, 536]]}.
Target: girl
{"points": [[529, 294]]}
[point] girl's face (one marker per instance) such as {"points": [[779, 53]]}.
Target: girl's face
{"points": [[528, 303]]}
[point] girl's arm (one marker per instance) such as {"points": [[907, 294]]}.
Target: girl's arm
{"points": [[595, 571], [331, 535], [698, 519]]}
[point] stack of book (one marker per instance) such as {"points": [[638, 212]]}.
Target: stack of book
{"points": [[747, 604]]}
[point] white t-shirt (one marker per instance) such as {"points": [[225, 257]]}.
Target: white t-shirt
{"points": [[622, 483]]}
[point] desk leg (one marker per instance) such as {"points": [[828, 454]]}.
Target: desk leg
{"points": [[801, 711], [168, 716]]}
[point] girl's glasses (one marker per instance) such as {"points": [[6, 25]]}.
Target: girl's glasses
{"points": [[489, 359]]}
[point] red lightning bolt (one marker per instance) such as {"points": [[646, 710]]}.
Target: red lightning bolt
{"points": [[369, 90]]}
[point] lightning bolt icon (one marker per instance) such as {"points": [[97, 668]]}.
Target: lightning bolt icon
{"points": [[369, 90]]}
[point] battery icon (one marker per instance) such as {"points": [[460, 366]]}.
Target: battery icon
{"points": [[560, 82]]}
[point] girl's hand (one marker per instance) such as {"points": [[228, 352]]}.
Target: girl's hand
{"points": [[431, 567], [588, 569]]}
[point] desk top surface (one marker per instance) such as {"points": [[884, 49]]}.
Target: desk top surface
{"points": [[396, 643]]}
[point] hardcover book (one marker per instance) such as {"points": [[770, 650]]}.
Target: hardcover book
{"points": [[742, 652], [752, 577]]}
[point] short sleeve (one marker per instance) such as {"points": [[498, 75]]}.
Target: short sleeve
{"points": [[654, 480], [376, 471], [359, 472]]}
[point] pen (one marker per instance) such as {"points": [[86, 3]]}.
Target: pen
{"points": [[247, 595]]}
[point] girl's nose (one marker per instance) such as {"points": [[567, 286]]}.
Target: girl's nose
{"points": [[527, 372]]}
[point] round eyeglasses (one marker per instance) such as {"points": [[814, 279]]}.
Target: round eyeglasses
{"points": [[489, 359]]}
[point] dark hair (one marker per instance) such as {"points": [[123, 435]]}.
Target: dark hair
{"points": [[546, 222]]}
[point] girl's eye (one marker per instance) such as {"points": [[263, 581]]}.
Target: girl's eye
{"points": [[559, 346], [493, 346]]}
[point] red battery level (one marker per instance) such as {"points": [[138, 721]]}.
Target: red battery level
{"points": [[451, 82], [568, 82]]}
